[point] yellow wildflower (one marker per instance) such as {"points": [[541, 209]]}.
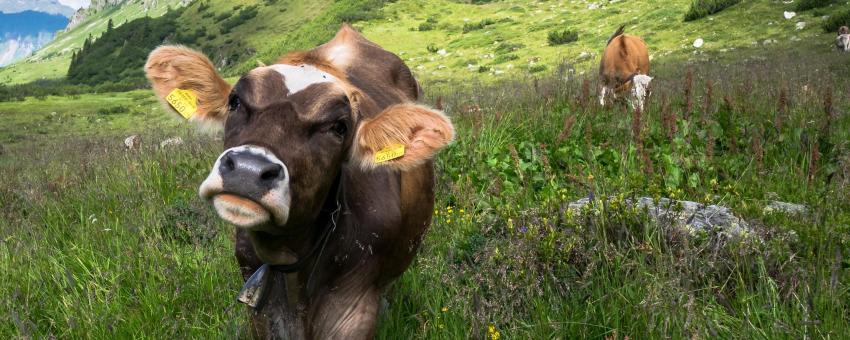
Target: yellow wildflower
{"points": [[494, 333], [445, 309]]}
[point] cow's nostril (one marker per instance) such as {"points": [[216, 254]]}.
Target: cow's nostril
{"points": [[271, 172], [227, 164]]}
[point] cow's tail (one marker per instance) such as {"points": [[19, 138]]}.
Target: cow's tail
{"points": [[618, 33]]}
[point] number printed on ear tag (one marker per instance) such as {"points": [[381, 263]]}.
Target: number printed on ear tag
{"points": [[185, 102], [389, 153]]}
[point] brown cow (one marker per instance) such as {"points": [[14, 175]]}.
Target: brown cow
{"points": [[624, 58], [327, 173]]}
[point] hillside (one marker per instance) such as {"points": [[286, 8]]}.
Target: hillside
{"points": [[451, 40], [235, 37], [52, 61], [505, 36]]}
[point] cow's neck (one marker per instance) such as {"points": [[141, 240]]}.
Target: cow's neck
{"points": [[289, 285]]}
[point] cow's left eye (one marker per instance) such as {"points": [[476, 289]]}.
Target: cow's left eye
{"points": [[340, 128], [234, 103]]}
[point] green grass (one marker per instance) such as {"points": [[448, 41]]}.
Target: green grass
{"points": [[100, 242], [52, 118]]}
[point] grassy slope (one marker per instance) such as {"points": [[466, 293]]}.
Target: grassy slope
{"points": [[52, 61], [522, 24], [55, 118], [528, 23]]}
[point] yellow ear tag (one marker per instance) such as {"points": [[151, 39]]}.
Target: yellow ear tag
{"points": [[389, 153], [185, 102]]}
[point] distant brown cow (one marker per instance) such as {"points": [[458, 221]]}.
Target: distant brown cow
{"points": [[624, 58], [327, 174]]}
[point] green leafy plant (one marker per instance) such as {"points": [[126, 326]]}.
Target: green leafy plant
{"points": [[560, 37]]}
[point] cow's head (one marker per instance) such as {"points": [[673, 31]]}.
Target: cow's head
{"points": [[843, 30], [290, 128]]}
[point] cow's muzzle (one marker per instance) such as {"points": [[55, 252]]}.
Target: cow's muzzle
{"points": [[249, 187]]}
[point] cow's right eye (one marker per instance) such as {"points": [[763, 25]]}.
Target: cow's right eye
{"points": [[234, 103]]}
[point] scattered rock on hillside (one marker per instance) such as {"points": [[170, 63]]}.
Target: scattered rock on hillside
{"points": [[133, 142], [584, 55], [784, 207], [698, 43], [174, 141], [688, 216], [800, 25], [789, 15]]}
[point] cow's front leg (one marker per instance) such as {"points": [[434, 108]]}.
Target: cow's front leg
{"points": [[345, 314]]}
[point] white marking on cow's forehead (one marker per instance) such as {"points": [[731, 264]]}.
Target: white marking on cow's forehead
{"points": [[299, 77]]}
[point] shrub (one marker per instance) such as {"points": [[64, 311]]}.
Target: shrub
{"points": [[703, 8], [537, 68], [805, 5], [836, 21], [507, 47], [112, 110], [469, 27], [561, 37], [505, 57], [432, 48], [244, 15], [426, 26]]}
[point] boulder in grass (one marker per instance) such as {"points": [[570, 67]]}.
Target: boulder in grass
{"points": [[786, 208], [688, 216]]}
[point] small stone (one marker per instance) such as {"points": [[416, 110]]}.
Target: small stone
{"points": [[133, 142], [787, 208], [698, 43], [174, 141]]}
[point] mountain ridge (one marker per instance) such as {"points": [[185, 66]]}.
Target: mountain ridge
{"points": [[21, 33], [45, 6]]}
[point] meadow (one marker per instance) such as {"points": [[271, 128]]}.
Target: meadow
{"points": [[97, 241]]}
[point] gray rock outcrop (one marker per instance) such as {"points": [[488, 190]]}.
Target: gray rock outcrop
{"points": [[692, 217]]}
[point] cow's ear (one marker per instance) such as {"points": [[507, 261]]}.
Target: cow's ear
{"points": [[401, 137], [187, 84]]}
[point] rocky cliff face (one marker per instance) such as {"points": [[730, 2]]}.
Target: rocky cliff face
{"points": [[78, 17], [97, 5]]}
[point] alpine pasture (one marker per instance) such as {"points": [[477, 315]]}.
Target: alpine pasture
{"points": [[100, 241]]}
